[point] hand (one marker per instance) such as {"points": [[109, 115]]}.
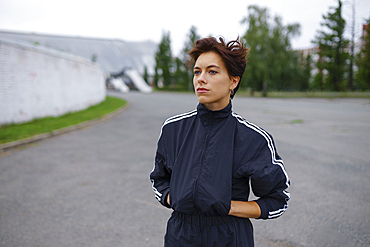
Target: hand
{"points": [[245, 209], [168, 199]]}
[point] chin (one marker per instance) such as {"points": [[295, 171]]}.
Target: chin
{"points": [[202, 99]]}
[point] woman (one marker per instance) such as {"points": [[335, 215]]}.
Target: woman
{"points": [[205, 159]]}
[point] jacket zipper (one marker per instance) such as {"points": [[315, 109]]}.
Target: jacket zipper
{"points": [[200, 167]]}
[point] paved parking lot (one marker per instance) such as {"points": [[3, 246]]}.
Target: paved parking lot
{"points": [[90, 187]]}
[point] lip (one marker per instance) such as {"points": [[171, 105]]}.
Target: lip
{"points": [[202, 90]]}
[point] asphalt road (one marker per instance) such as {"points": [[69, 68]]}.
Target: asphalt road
{"points": [[90, 187]]}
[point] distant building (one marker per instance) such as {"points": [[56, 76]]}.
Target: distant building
{"points": [[113, 55], [315, 54], [309, 51], [36, 82], [364, 28]]}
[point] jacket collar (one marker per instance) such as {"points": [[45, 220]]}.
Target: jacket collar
{"points": [[203, 112]]}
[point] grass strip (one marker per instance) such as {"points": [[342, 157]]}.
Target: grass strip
{"points": [[243, 92], [14, 132], [318, 94]]}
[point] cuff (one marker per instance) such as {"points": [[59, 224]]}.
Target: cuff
{"points": [[164, 197], [264, 209]]}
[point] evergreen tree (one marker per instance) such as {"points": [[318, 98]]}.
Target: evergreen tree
{"points": [[332, 53], [318, 82], [146, 76], [306, 73], [163, 59], [181, 75], [363, 61], [192, 36], [272, 63]]}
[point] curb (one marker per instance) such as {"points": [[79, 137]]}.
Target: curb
{"points": [[10, 145]]}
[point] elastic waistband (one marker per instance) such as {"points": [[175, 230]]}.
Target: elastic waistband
{"points": [[197, 220]]}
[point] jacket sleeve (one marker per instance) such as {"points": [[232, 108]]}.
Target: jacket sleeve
{"points": [[269, 180], [160, 175]]}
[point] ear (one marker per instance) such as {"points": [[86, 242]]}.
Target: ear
{"points": [[234, 82]]}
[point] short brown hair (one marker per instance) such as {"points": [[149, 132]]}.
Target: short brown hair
{"points": [[232, 53]]}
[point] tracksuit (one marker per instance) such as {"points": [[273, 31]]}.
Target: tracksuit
{"points": [[207, 158]]}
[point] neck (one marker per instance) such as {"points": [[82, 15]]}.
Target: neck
{"points": [[217, 107]]}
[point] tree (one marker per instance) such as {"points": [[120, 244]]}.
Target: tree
{"points": [[181, 75], [192, 36], [306, 73], [318, 82], [286, 65], [146, 76], [257, 40], [163, 59], [94, 58], [363, 61], [332, 51], [272, 63]]}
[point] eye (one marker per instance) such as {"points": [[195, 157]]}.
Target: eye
{"points": [[197, 72], [212, 72]]}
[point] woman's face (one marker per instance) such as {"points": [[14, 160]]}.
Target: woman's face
{"points": [[212, 82]]}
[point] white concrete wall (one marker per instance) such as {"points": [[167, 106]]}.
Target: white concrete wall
{"points": [[37, 82]]}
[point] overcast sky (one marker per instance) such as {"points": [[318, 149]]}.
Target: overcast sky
{"points": [[138, 20]]}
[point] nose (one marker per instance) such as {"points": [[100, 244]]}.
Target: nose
{"points": [[201, 78]]}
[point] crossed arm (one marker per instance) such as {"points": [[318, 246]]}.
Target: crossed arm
{"points": [[245, 209], [240, 209]]}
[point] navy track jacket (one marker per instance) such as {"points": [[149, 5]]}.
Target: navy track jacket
{"points": [[206, 158]]}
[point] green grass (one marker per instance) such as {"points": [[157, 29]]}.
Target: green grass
{"points": [[327, 95], [297, 121], [13, 132], [244, 92]]}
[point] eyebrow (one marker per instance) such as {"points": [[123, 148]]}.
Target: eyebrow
{"points": [[209, 66]]}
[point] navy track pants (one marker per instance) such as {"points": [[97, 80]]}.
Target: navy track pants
{"points": [[184, 230]]}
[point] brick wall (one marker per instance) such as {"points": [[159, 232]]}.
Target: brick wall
{"points": [[36, 82]]}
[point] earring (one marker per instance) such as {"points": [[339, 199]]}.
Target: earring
{"points": [[232, 92]]}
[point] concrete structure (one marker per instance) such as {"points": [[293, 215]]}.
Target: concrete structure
{"points": [[37, 82], [138, 81], [113, 55]]}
